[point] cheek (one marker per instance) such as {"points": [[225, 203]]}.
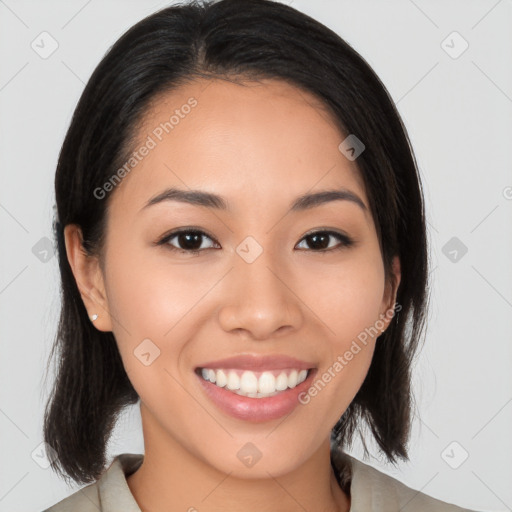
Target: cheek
{"points": [[152, 307], [347, 297], [149, 297]]}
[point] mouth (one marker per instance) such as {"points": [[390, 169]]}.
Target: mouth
{"points": [[254, 384], [256, 388]]}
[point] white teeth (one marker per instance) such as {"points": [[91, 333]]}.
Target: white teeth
{"points": [[233, 380], [249, 384], [292, 379], [301, 377], [222, 379], [266, 383], [281, 382]]}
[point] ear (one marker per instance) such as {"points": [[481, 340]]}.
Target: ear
{"points": [[388, 302], [89, 278]]}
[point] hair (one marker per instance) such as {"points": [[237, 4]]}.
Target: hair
{"points": [[229, 40]]}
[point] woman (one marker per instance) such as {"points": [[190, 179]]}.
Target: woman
{"points": [[242, 243]]}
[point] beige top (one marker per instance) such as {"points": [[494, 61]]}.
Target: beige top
{"points": [[370, 490]]}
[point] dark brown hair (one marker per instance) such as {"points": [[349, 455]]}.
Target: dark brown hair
{"points": [[230, 38]]}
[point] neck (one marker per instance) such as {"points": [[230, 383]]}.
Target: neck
{"points": [[173, 478]]}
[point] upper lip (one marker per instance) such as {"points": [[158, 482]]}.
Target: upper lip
{"points": [[259, 362]]}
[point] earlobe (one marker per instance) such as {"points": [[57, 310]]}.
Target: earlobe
{"points": [[89, 278]]}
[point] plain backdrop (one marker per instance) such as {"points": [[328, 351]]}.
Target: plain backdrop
{"points": [[447, 65]]}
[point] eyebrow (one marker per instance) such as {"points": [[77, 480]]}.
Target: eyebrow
{"points": [[210, 200]]}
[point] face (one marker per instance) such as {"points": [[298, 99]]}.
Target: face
{"points": [[256, 277]]}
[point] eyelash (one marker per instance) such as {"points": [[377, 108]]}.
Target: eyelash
{"points": [[345, 241]]}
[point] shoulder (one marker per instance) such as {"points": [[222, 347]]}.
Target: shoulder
{"points": [[386, 489], [371, 489], [108, 494], [83, 500]]}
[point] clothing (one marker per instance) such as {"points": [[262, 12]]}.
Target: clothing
{"points": [[370, 490]]}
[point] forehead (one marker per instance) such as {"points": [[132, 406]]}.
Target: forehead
{"points": [[267, 136]]}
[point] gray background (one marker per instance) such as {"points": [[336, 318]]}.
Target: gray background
{"points": [[458, 111]]}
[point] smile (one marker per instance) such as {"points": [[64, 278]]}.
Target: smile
{"points": [[261, 384], [255, 396]]}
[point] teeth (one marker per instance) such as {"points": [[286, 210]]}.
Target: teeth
{"points": [[255, 385], [233, 381], [282, 382], [266, 383], [249, 383], [221, 379], [302, 375]]}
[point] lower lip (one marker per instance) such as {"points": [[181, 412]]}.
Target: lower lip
{"points": [[256, 409]]}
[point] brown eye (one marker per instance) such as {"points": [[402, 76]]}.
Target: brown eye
{"points": [[320, 241], [191, 241], [187, 241]]}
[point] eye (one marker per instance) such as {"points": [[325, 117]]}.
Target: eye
{"points": [[318, 240], [188, 240]]}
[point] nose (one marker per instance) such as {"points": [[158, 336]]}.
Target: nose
{"points": [[260, 299]]}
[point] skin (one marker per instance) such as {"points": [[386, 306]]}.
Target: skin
{"points": [[259, 145]]}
